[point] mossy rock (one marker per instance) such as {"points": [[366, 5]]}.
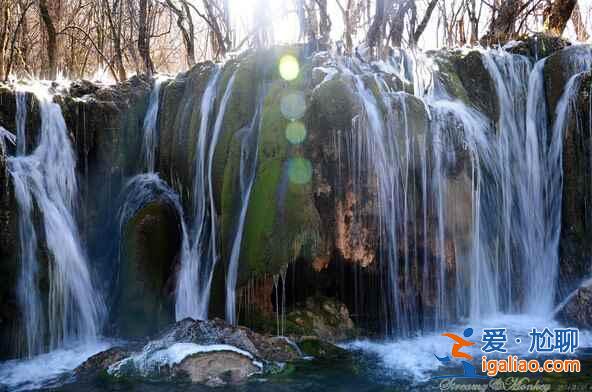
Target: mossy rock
{"points": [[150, 249], [446, 78], [282, 222], [480, 87], [538, 46], [323, 317], [333, 106], [559, 68], [8, 115], [318, 348], [179, 125]]}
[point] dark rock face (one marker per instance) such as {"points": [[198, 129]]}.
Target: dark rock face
{"points": [[575, 246], [9, 247], [322, 317], [151, 244], [559, 67]]}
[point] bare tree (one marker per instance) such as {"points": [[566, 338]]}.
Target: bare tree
{"points": [[556, 15], [144, 38], [51, 46], [185, 24], [579, 25]]}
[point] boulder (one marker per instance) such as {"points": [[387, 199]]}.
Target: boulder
{"points": [[577, 310], [151, 244], [216, 368], [559, 68], [102, 360], [322, 317], [209, 352]]}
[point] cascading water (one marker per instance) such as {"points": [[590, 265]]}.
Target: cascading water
{"points": [[47, 179], [249, 138], [21, 118], [150, 139], [200, 257], [504, 172]]}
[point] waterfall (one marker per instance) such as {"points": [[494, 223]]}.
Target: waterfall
{"points": [[200, 257], [536, 154], [21, 119], [461, 142], [249, 138], [502, 179], [47, 179], [515, 228], [150, 139]]}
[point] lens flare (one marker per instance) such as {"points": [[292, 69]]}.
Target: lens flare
{"points": [[299, 170], [289, 67], [295, 132], [293, 105]]}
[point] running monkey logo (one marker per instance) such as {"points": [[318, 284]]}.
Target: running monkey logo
{"points": [[469, 371]]}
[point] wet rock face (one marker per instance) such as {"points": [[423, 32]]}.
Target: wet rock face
{"points": [[559, 67], [578, 311], [151, 244], [464, 77], [8, 260], [537, 46], [575, 246], [102, 360]]}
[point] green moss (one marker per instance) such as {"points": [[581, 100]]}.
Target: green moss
{"points": [[321, 349], [332, 106], [151, 243], [179, 123], [447, 76]]}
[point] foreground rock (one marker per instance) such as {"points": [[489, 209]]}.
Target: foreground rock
{"points": [[577, 309], [217, 368], [208, 352]]}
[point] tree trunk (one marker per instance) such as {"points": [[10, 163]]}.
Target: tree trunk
{"points": [[556, 15], [116, 37], [182, 15], [324, 24], [576, 17], [503, 25], [144, 39], [424, 22], [374, 35], [52, 64], [4, 34]]}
